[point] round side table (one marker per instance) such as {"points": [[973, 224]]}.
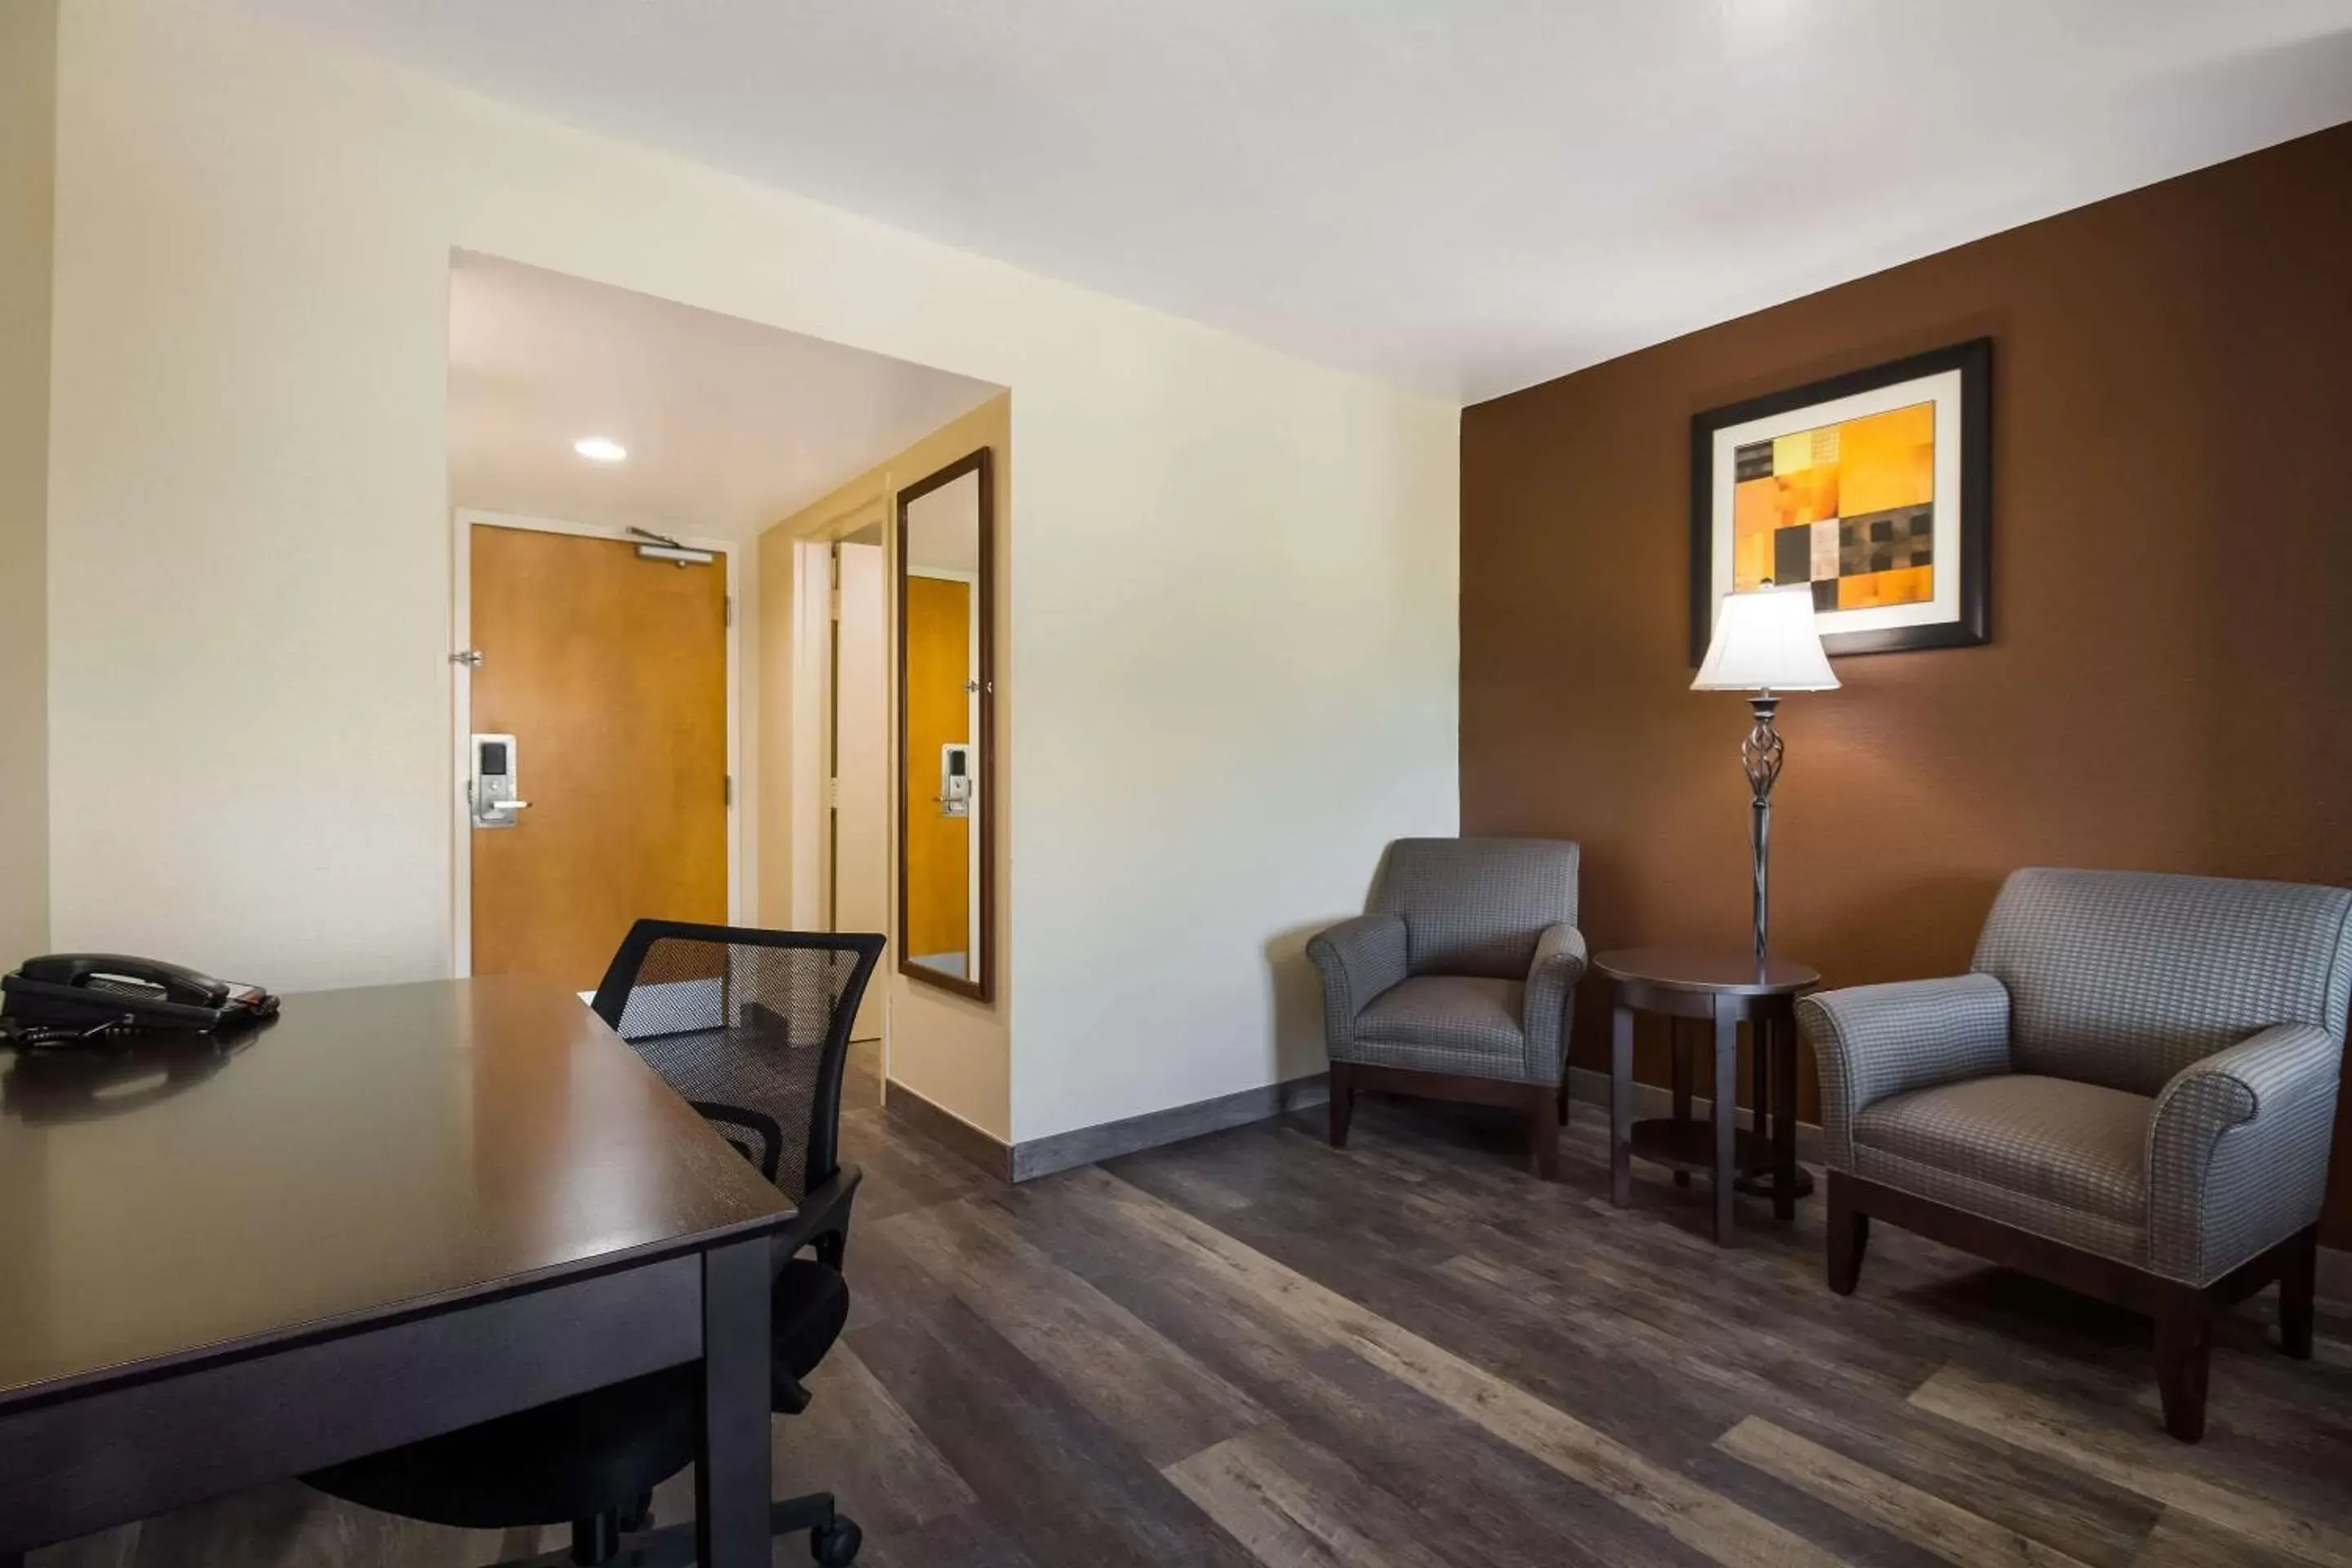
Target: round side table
{"points": [[1721, 987]]}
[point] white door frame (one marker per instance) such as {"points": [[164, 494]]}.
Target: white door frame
{"points": [[810, 643], [811, 755], [463, 521], [810, 764]]}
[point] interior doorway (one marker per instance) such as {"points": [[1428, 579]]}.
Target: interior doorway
{"points": [[776, 461], [596, 742]]}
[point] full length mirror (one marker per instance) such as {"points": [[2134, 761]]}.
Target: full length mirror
{"points": [[945, 739]]}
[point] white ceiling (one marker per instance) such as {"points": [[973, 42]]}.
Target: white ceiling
{"points": [[1464, 196], [730, 425], [943, 528]]}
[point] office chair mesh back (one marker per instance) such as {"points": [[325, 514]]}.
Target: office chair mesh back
{"points": [[753, 1027]]}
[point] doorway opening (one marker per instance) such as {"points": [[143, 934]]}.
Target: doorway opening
{"points": [[638, 729]]}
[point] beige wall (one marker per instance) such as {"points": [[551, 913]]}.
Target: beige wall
{"points": [[1242, 559], [953, 1051], [29, 59]]}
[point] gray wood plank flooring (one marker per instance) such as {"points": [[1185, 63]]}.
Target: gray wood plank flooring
{"points": [[1251, 1349]]}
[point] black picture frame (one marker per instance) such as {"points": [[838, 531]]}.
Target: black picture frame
{"points": [[1973, 625]]}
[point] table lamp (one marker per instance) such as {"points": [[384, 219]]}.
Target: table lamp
{"points": [[1764, 644]]}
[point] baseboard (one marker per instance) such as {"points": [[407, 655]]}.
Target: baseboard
{"points": [[1586, 1086], [1085, 1145], [948, 1130]]}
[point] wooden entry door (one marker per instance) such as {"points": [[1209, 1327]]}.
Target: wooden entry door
{"points": [[610, 672]]}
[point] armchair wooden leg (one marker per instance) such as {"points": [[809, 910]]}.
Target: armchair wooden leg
{"points": [[2298, 1286], [1849, 1231], [2184, 1337], [1543, 1132], [1343, 1102]]}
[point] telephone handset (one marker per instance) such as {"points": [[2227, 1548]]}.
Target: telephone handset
{"points": [[72, 996]]}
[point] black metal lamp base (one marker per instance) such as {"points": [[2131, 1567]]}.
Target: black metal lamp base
{"points": [[1760, 758]]}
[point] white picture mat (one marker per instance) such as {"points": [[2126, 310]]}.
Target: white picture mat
{"points": [[1943, 390]]}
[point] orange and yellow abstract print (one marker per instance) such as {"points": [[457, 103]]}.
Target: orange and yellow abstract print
{"points": [[1848, 508]]}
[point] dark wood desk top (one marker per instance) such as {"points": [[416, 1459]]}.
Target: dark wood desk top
{"points": [[370, 1150], [1718, 970]]}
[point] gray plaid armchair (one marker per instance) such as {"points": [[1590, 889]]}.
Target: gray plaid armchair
{"points": [[1457, 983], [2133, 1093]]}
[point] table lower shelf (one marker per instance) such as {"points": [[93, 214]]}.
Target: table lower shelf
{"points": [[1758, 1184], [1690, 1146]]}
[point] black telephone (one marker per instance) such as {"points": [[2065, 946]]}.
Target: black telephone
{"points": [[73, 997]]}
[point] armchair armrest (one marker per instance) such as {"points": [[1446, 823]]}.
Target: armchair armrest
{"points": [[1358, 960], [1874, 1041], [1559, 963], [2236, 1149]]}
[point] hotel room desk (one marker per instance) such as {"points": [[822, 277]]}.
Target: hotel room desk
{"points": [[390, 1212]]}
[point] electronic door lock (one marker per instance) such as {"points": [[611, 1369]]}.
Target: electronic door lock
{"points": [[491, 792], [955, 779]]}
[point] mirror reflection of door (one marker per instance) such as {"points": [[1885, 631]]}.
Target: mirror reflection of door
{"points": [[943, 620], [939, 880]]}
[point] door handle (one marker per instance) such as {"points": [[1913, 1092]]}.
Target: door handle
{"points": [[487, 810]]}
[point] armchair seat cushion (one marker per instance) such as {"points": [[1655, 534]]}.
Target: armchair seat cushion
{"points": [[2062, 1159], [1446, 1023], [2074, 1144]]}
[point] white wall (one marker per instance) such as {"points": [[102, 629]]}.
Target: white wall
{"points": [[1238, 673], [1239, 561], [29, 59]]}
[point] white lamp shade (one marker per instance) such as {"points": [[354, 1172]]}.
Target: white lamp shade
{"points": [[1765, 641]]}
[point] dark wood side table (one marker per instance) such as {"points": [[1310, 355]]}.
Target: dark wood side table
{"points": [[1723, 986]]}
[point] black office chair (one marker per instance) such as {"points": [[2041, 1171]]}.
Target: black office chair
{"points": [[752, 1029]]}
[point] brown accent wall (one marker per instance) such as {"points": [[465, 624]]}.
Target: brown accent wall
{"points": [[2169, 683]]}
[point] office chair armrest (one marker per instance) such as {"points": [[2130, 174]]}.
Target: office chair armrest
{"points": [[823, 1216], [764, 1127], [822, 1222]]}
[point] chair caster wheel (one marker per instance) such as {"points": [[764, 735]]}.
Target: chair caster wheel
{"points": [[835, 1545]]}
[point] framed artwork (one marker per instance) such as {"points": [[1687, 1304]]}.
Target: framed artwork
{"points": [[1875, 487]]}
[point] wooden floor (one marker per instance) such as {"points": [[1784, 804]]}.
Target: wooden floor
{"points": [[1253, 1348]]}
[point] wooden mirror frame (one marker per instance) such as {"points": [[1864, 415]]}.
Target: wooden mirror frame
{"points": [[981, 986]]}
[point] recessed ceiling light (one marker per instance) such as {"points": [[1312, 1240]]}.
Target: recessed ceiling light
{"points": [[600, 449]]}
